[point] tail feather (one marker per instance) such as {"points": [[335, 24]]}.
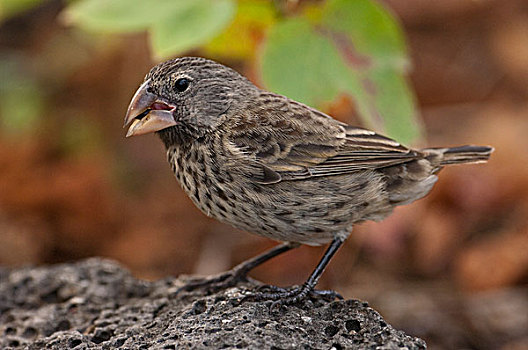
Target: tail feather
{"points": [[458, 155]]}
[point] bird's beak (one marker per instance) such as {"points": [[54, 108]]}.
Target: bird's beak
{"points": [[146, 113]]}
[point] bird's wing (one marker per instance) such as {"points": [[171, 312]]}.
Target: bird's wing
{"points": [[286, 140]]}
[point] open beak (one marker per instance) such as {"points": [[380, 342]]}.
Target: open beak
{"points": [[146, 113]]}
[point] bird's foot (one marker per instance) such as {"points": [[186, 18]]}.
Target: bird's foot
{"points": [[288, 296], [215, 283], [237, 274]]}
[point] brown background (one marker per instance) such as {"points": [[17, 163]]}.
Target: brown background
{"points": [[451, 268]]}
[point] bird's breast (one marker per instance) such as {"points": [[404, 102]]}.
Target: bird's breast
{"points": [[213, 190], [284, 212]]}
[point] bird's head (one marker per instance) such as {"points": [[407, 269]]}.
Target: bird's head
{"points": [[188, 95]]}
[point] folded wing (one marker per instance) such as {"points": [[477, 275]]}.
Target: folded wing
{"points": [[286, 140]]}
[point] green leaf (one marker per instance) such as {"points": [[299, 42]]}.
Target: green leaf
{"points": [[299, 63], [119, 15], [374, 48], [306, 66], [191, 25], [395, 102], [315, 64], [370, 28]]}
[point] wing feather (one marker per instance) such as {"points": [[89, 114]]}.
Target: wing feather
{"points": [[297, 142]]}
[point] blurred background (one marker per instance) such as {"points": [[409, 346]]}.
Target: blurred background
{"points": [[451, 268]]}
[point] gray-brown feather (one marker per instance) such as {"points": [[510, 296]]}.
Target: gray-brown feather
{"points": [[278, 168]]}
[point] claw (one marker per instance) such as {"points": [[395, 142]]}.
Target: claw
{"points": [[238, 273], [215, 283], [281, 296], [271, 288], [327, 294]]}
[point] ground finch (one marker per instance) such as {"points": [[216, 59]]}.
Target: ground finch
{"points": [[274, 166]]}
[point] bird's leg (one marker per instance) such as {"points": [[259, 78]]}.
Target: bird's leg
{"points": [[281, 296], [238, 273]]}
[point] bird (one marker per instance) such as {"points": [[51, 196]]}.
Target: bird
{"points": [[275, 167]]}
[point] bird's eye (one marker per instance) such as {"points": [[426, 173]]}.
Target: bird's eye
{"points": [[182, 84]]}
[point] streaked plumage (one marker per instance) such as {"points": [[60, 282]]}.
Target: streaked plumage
{"points": [[276, 167]]}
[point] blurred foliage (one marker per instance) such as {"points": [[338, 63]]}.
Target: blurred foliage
{"points": [[10, 8], [193, 23], [314, 53], [21, 99], [176, 27], [241, 39], [349, 47]]}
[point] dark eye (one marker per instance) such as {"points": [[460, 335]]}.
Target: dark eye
{"points": [[182, 84]]}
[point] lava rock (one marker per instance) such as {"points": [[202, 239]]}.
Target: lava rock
{"points": [[97, 304]]}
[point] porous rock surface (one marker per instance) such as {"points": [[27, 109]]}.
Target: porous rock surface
{"points": [[97, 304]]}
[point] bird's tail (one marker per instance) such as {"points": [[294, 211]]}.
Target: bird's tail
{"points": [[457, 155]]}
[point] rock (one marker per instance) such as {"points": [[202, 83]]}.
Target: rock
{"points": [[97, 304]]}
